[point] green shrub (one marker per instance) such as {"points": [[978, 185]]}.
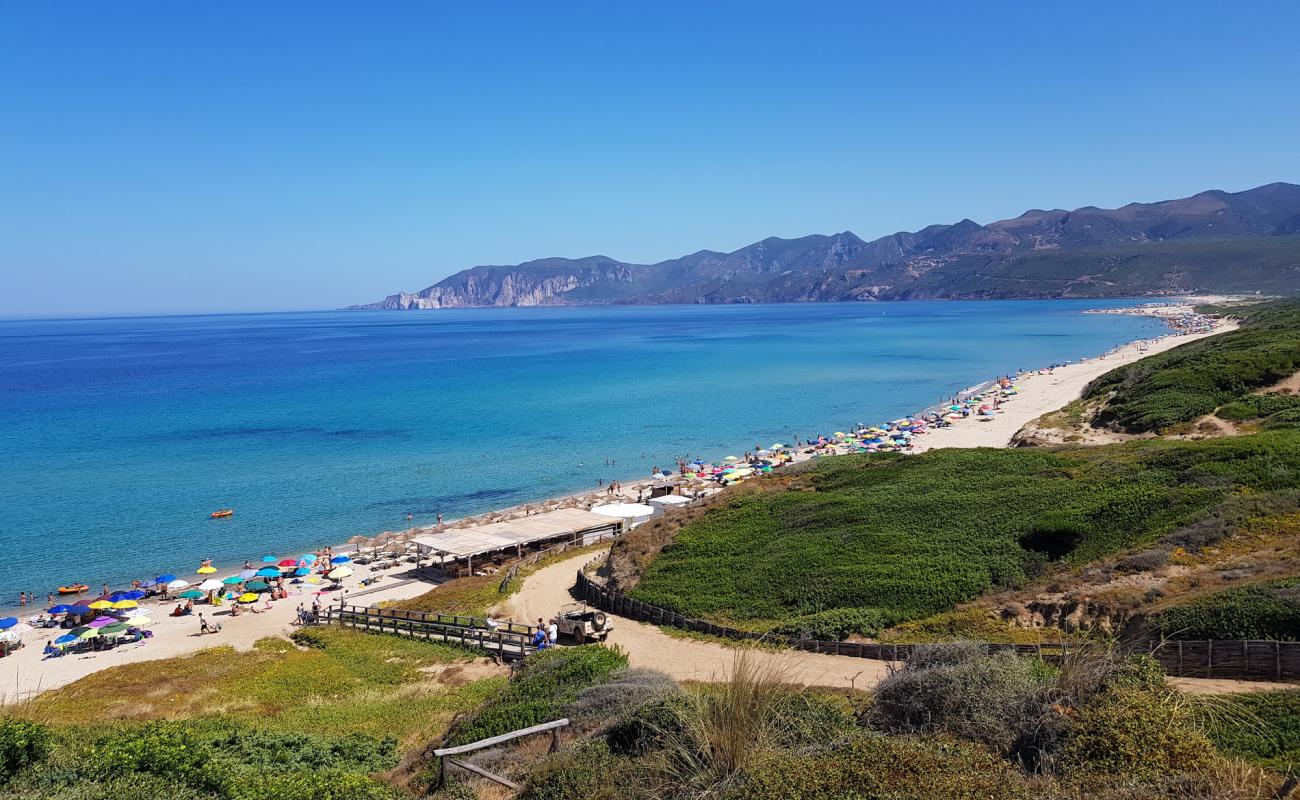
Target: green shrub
{"points": [[837, 624], [864, 767], [156, 748], [297, 784], [1236, 411], [960, 690], [22, 744], [1133, 733], [586, 772], [627, 691], [539, 691], [1263, 727], [1269, 610]]}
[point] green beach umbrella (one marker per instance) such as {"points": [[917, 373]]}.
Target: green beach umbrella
{"points": [[257, 586], [114, 629], [190, 594], [87, 633], [232, 580]]}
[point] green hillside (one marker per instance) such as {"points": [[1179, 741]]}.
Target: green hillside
{"points": [[860, 542], [1187, 382]]}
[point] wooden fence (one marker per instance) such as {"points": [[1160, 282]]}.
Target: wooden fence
{"points": [[1259, 660], [445, 760], [508, 642], [533, 558]]}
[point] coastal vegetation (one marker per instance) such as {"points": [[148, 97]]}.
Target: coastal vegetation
{"points": [[1266, 610], [1180, 385], [952, 721], [331, 714], [859, 543]]}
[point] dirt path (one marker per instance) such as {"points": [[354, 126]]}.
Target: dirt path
{"points": [[547, 589], [685, 659]]}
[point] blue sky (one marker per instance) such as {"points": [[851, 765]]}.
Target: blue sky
{"points": [[165, 157]]}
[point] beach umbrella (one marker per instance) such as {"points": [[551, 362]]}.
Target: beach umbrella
{"points": [[257, 586], [79, 609], [85, 632], [190, 594], [339, 573], [269, 559], [149, 583], [310, 557], [210, 585], [140, 622], [179, 583], [340, 560], [66, 640], [100, 622], [731, 458], [232, 580], [268, 572], [116, 629], [248, 573], [100, 604], [124, 604], [59, 609], [206, 570], [248, 597], [115, 596], [288, 562], [7, 623], [300, 571], [168, 578]]}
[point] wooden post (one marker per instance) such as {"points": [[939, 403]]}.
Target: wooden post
{"points": [[442, 771], [555, 740]]}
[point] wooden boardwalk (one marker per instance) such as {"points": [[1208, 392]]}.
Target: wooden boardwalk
{"points": [[509, 641]]}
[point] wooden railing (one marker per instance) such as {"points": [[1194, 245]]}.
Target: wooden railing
{"points": [[1256, 660], [508, 641], [533, 558], [445, 760]]}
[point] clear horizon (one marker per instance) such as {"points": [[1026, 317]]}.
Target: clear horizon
{"points": [[168, 159]]}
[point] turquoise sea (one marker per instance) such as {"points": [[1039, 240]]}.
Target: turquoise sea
{"points": [[119, 436]]}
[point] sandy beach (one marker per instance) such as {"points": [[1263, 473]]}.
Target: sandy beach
{"points": [[27, 672]]}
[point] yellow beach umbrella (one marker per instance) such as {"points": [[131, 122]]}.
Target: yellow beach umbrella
{"points": [[124, 604], [248, 597], [100, 605], [206, 570]]}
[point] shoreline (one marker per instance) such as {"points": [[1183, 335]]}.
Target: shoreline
{"points": [[25, 673]]}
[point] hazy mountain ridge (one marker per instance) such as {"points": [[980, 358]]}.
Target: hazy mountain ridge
{"points": [[1211, 241]]}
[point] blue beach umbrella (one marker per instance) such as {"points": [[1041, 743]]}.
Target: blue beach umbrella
{"points": [[60, 609], [168, 578], [7, 623], [310, 557], [79, 609], [66, 639], [268, 572], [300, 571], [340, 560], [269, 559], [248, 573], [148, 584]]}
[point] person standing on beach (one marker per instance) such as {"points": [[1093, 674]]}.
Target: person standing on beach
{"points": [[439, 519]]}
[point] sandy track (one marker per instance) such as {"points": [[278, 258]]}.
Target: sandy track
{"points": [[549, 588]]}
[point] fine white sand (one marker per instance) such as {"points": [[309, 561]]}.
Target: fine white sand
{"points": [[27, 672]]}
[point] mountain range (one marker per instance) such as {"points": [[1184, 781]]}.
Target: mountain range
{"points": [[1214, 241]]}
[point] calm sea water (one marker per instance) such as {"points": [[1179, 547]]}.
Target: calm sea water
{"points": [[119, 436]]}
